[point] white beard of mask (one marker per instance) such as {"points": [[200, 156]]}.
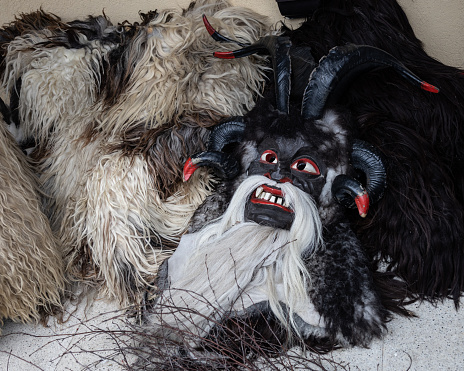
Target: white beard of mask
{"points": [[231, 264]]}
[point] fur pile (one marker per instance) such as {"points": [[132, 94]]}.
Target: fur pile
{"points": [[31, 266], [110, 113], [113, 113]]}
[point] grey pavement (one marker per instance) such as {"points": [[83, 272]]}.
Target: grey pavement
{"points": [[432, 341]]}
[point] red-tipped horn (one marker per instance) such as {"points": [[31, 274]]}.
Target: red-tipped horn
{"points": [[340, 67], [217, 36], [224, 165], [276, 46], [349, 191], [189, 168], [279, 49]]}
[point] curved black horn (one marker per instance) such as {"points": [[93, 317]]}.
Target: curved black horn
{"points": [[368, 159], [350, 192], [340, 67], [217, 36], [226, 132], [278, 47], [224, 165]]}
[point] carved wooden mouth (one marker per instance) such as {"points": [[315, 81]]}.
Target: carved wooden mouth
{"points": [[266, 195]]}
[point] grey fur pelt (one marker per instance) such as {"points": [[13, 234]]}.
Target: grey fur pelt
{"points": [[31, 266], [114, 112]]}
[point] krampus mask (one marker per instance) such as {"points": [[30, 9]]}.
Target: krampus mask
{"points": [[282, 248]]}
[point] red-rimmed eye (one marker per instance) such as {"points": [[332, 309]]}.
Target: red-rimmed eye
{"points": [[305, 165], [268, 157]]}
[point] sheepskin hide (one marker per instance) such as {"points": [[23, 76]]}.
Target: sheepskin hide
{"points": [[418, 226], [31, 266], [114, 112]]}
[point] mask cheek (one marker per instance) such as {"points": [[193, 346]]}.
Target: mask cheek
{"points": [[302, 184], [310, 186]]}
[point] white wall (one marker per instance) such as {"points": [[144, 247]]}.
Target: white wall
{"points": [[438, 23]]}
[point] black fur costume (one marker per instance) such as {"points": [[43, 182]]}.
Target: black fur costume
{"points": [[418, 226]]}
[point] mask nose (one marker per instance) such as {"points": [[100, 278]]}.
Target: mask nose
{"points": [[278, 177]]}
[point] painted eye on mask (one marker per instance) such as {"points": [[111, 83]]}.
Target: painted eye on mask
{"points": [[305, 165], [268, 157]]}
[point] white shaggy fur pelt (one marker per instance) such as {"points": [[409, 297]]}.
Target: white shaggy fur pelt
{"points": [[114, 112], [31, 266]]}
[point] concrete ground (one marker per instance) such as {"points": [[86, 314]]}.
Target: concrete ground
{"points": [[433, 341]]}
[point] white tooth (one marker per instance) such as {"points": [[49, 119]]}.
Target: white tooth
{"points": [[286, 204], [279, 201], [267, 196], [272, 199], [258, 191]]}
